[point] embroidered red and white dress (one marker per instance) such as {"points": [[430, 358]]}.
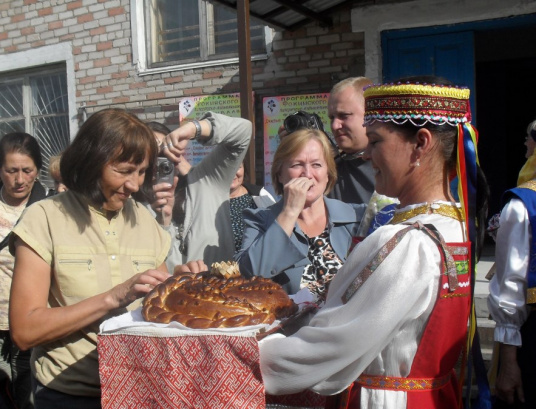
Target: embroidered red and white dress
{"points": [[395, 317]]}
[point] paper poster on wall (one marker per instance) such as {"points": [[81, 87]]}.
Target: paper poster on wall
{"points": [[275, 110], [195, 106]]}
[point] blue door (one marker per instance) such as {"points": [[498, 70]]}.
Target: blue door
{"points": [[496, 59], [414, 52]]}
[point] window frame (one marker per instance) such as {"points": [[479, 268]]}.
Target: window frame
{"points": [[41, 58], [25, 76], [142, 49], [48, 141], [39, 61]]}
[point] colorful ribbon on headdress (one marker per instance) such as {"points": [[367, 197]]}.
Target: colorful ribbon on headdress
{"points": [[467, 191]]}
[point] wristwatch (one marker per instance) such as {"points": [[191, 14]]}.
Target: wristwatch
{"points": [[197, 129]]}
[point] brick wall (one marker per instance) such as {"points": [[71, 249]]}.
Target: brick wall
{"points": [[307, 60]]}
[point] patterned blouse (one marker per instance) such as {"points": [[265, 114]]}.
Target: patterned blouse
{"points": [[324, 265], [9, 215], [238, 205]]}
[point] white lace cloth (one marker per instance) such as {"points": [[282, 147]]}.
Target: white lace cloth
{"points": [[133, 323]]}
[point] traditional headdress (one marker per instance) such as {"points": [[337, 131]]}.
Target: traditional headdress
{"points": [[421, 104], [417, 103]]}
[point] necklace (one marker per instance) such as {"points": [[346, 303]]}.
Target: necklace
{"points": [[447, 210]]}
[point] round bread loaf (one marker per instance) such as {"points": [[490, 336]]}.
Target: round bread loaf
{"points": [[207, 301]]}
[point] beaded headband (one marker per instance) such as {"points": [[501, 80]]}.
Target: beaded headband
{"points": [[417, 103]]}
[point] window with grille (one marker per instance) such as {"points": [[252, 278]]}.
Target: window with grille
{"points": [[188, 31], [36, 102]]}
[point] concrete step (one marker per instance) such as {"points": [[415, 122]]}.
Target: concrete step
{"points": [[483, 267], [486, 328], [481, 306]]}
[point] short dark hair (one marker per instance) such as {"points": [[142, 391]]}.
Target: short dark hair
{"points": [[21, 142], [158, 127], [110, 135]]}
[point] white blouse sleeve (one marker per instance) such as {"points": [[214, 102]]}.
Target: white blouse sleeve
{"points": [[508, 287], [343, 339]]}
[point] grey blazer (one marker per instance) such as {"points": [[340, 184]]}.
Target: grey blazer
{"points": [[267, 251]]}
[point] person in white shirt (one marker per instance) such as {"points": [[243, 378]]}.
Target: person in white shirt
{"points": [[513, 288]]}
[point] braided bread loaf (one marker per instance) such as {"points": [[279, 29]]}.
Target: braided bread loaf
{"points": [[206, 301]]}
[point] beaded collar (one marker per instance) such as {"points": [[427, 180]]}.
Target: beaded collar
{"points": [[441, 208]]}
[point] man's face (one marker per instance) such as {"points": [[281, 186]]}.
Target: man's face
{"points": [[346, 110]]}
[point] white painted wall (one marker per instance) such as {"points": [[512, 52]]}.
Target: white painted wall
{"points": [[372, 20]]}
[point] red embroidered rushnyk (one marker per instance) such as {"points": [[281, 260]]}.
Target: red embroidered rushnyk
{"points": [[198, 372]]}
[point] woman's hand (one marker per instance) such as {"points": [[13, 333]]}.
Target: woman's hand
{"points": [[195, 267], [136, 287], [176, 142], [33, 322], [164, 194], [509, 385], [183, 167], [294, 195]]}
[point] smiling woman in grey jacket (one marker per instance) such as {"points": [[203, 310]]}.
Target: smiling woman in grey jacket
{"points": [[302, 240]]}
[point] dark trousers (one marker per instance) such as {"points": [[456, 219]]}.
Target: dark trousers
{"points": [[47, 398], [15, 374]]}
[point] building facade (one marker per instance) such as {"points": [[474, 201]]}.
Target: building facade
{"points": [[95, 54]]}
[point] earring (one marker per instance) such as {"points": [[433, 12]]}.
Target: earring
{"points": [[416, 164]]}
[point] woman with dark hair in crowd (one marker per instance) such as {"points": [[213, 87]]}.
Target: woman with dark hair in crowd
{"points": [[244, 195], [20, 163], [85, 255], [395, 320]]}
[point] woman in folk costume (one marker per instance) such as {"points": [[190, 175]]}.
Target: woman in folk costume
{"points": [[395, 320], [513, 288]]}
